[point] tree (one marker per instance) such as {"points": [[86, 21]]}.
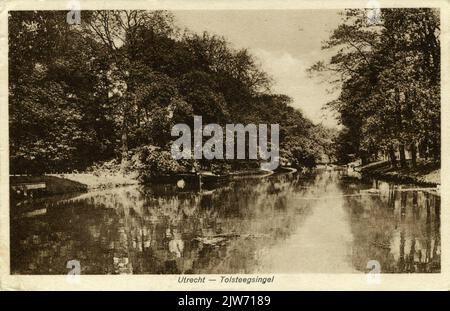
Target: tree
{"points": [[118, 31], [116, 84], [57, 100], [384, 72]]}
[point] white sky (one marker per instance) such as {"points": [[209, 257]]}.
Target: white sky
{"points": [[286, 42]]}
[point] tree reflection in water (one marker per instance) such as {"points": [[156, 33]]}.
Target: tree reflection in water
{"points": [[155, 229], [400, 228]]}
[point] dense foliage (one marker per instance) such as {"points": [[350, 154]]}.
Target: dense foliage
{"points": [[389, 74], [115, 85]]}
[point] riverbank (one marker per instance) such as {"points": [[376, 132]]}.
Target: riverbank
{"points": [[43, 185], [101, 181], [55, 184], [426, 173]]}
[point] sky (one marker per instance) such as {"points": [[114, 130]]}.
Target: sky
{"points": [[285, 42]]}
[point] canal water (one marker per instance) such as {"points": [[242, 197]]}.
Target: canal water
{"points": [[324, 221]]}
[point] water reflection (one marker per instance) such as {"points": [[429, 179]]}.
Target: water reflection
{"points": [[399, 227], [325, 221]]}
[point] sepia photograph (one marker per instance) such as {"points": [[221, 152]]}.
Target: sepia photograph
{"points": [[238, 143]]}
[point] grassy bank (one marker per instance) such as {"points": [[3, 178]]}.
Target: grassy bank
{"points": [[98, 181], [56, 184], [425, 173], [69, 183], [53, 184]]}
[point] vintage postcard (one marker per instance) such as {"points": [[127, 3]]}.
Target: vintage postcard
{"points": [[231, 145]]}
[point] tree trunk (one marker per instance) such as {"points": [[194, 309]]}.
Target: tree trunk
{"points": [[413, 154], [401, 150], [423, 150], [436, 150], [364, 159], [124, 140], [125, 129], [392, 156]]}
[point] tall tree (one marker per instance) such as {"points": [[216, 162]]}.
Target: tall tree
{"points": [[389, 76], [118, 31]]}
